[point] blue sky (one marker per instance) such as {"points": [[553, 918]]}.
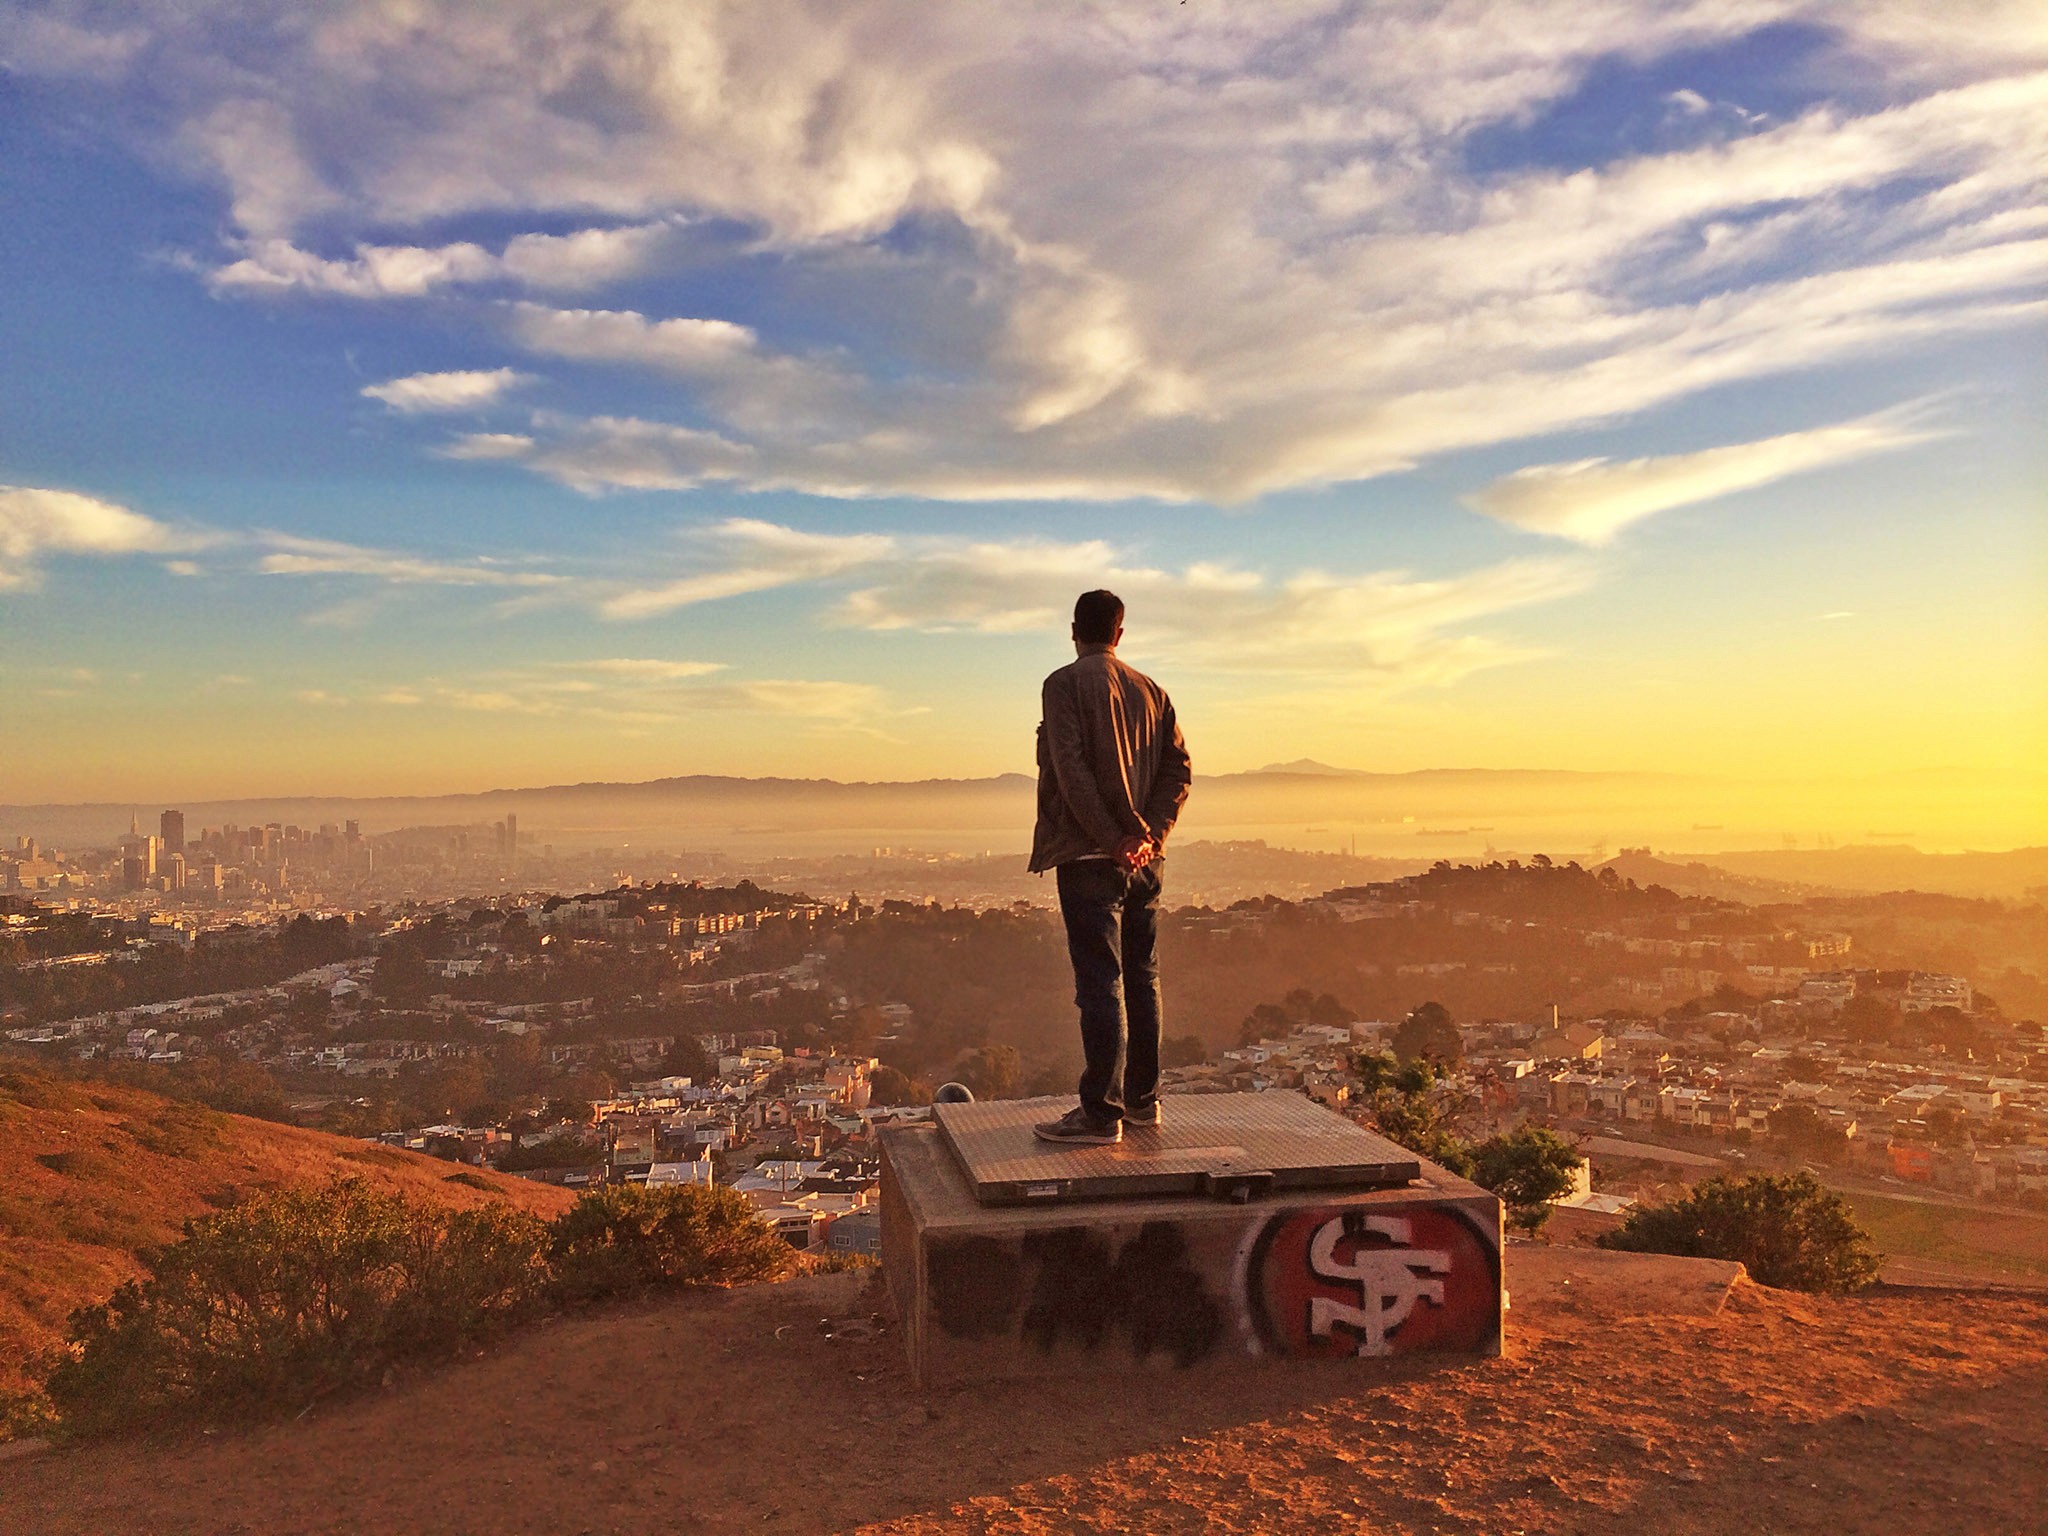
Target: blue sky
{"points": [[426, 397]]}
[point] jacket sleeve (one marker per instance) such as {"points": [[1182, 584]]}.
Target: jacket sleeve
{"points": [[1076, 776], [1170, 785]]}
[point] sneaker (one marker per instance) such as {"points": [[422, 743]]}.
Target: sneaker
{"points": [[1078, 1128], [1143, 1119]]}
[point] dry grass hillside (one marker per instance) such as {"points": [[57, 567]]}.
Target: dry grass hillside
{"points": [[92, 1175], [1638, 1397]]}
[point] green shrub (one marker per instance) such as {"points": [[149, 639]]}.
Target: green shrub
{"points": [[289, 1295], [1788, 1230], [631, 1237], [1528, 1168]]}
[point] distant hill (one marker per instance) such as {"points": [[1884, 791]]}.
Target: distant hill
{"points": [[2018, 872], [1766, 877], [92, 1175], [1694, 878]]}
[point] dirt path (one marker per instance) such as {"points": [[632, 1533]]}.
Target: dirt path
{"points": [[735, 1413]]}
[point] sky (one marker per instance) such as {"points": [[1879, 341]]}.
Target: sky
{"points": [[410, 397]]}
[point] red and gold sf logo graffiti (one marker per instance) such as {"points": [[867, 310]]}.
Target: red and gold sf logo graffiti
{"points": [[1374, 1281]]}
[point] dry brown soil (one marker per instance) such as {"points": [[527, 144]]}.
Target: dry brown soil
{"points": [[93, 1175], [1631, 1401]]}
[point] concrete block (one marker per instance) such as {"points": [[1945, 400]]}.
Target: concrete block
{"points": [[991, 1292]]}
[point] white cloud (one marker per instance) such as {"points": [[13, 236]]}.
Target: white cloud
{"points": [[467, 390], [587, 258], [622, 336], [1175, 252], [1593, 500], [489, 445], [36, 524], [373, 272]]}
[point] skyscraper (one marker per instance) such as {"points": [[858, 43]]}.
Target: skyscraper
{"points": [[171, 826]]}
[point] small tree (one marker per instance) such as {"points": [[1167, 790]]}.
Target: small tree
{"points": [[1788, 1230], [687, 1058], [993, 1071], [1409, 1106], [1528, 1168], [1429, 1032], [1867, 1016], [1267, 1021], [1806, 1131], [886, 1085]]}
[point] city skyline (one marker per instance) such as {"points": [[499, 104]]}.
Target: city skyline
{"points": [[453, 401]]}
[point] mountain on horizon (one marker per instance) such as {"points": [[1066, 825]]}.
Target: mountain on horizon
{"points": [[1309, 767]]}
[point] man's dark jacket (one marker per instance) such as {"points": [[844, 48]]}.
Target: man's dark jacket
{"points": [[1111, 763]]}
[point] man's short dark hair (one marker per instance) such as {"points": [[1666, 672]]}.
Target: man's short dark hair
{"points": [[1096, 617]]}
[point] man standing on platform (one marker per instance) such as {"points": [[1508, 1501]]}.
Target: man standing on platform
{"points": [[1112, 777]]}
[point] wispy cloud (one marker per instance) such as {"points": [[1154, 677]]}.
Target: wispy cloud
{"points": [[636, 692], [1594, 499], [1392, 626], [465, 390], [292, 555], [643, 668], [745, 555]]}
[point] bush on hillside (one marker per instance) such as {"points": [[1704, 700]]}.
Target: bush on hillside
{"points": [[1788, 1230], [295, 1293], [292, 1294], [634, 1237]]}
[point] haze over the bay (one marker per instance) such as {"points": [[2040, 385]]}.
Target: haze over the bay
{"points": [[420, 400]]}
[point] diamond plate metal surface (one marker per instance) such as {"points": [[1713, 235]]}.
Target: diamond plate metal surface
{"points": [[1208, 1142]]}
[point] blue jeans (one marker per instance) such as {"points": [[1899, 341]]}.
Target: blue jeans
{"points": [[1112, 919]]}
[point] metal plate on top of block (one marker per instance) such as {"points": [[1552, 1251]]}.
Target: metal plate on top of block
{"points": [[1223, 1144]]}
